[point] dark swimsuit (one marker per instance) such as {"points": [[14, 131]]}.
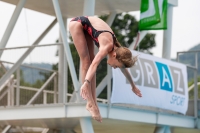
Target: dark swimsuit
{"points": [[92, 31]]}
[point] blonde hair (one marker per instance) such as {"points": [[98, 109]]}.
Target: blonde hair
{"points": [[124, 56]]}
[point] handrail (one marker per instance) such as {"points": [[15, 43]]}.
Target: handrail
{"points": [[41, 89], [6, 91], [192, 86], [7, 81], [52, 92]]}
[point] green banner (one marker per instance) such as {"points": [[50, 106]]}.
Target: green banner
{"points": [[153, 17]]}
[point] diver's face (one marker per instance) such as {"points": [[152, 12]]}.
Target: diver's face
{"points": [[113, 62]]}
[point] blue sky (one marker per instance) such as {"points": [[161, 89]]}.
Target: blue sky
{"points": [[185, 34]]}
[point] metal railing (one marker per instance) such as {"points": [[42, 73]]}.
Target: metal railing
{"points": [[193, 110], [16, 91], [46, 94]]}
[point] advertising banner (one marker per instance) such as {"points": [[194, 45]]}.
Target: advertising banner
{"points": [[153, 15], [163, 84]]}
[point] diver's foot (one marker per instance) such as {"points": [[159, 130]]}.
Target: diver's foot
{"points": [[94, 111]]}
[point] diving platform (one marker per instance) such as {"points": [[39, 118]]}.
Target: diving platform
{"points": [[50, 108], [59, 116]]}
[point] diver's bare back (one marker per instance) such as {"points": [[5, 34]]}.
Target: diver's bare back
{"points": [[99, 24]]}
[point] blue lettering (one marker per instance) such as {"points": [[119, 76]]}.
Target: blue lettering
{"points": [[177, 100], [165, 77]]}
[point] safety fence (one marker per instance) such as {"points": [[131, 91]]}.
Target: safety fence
{"points": [[32, 82], [191, 60]]}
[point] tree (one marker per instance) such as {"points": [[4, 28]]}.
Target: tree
{"points": [[125, 27]]}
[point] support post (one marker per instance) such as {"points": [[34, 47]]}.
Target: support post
{"points": [[159, 129], [18, 63], [61, 74], [20, 129], [66, 46], [9, 94], [166, 52], [12, 100], [89, 7], [162, 129], [6, 129], [167, 129], [86, 125], [44, 97], [109, 21], [63, 68], [136, 43], [195, 95], [55, 89], [111, 18], [18, 89], [11, 24]]}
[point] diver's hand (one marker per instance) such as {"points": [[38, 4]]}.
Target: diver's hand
{"points": [[84, 91], [137, 91]]}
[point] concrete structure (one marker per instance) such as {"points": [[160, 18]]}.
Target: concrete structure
{"points": [[64, 115]]}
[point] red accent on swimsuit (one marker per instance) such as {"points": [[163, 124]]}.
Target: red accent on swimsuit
{"points": [[91, 30]]}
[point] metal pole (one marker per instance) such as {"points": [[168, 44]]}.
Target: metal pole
{"points": [[66, 46], [86, 125], [18, 89], [89, 7], [11, 24], [60, 71], [111, 18], [44, 97], [177, 56], [89, 10], [55, 89], [159, 129], [167, 129], [109, 74], [9, 94], [109, 21], [5, 130], [18, 63], [196, 90], [136, 43], [168, 34], [12, 100], [63, 67]]}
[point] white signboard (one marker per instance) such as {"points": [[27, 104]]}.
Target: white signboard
{"points": [[163, 84]]}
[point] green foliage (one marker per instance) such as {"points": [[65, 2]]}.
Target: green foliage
{"points": [[125, 28], [147, 43], [191, 93]]}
